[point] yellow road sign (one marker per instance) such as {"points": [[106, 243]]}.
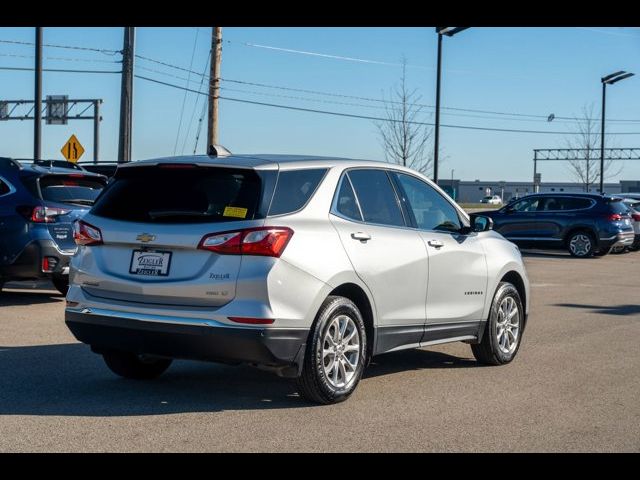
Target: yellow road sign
{"points": [[72, 150]]}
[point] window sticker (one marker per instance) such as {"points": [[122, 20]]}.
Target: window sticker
{"points": [[237, 212]]}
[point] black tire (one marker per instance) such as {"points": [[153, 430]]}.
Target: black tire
{"points": [[488, 351], [580, 237], [313, 383], [619, 250], [133, 366], [61, 282]]}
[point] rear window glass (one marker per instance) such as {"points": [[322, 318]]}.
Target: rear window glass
{"points": [[72, 190], [180, 195], [377, 198], [294, 189], [618, 206], [573, 203]]}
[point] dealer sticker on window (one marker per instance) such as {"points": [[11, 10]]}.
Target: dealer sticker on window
{"points": [[237, 212], [150, 262]]}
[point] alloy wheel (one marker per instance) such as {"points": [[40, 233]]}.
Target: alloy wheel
{"points": [[341, 351]]}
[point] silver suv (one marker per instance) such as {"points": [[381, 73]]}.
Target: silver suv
{"points": [[302, 265]]}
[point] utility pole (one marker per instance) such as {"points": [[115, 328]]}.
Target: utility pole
{"points": [[96, 130], [126, 96], [214, 86], [37, 134]]}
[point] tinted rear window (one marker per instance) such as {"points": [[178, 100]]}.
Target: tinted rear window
{"points": [[192, 195], [68, 189], [377, 198], [618, 206], [294, 189]]}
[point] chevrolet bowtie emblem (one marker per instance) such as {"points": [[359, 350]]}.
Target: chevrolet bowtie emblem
{"points": [[145, 237]]}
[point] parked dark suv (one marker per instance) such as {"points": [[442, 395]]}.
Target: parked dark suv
{"points": [[38, 204], [584, 224]]}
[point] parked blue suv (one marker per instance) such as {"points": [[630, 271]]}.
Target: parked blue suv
{"points": [[585, 224], [38, 204]]}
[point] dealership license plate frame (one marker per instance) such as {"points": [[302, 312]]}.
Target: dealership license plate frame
{"points": [[165, 255]]}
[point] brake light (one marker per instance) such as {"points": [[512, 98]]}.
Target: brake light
{"points": [[177, 166], [636, 216], [86, 234], [264, 241], [42, 214], [614, 217]]}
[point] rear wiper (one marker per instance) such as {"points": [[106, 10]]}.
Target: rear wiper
{"points": [[176, 213]]}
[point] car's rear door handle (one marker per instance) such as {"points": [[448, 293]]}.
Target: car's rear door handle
{"points": [[436, 243], [362, 236]]}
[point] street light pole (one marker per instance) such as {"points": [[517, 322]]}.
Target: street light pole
{"points": [[604, 97], [608, 80], [37, 117], [449, 32], [436, 133]]}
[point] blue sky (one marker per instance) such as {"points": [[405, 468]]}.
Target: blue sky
{"points": [[536, 71]]}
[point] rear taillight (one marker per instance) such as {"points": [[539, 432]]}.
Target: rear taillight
{"points": [[42, 214], [265, 241], [636, 216], [614, 217], [85, 234]]}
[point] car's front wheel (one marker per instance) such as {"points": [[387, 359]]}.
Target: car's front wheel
{"points": [[503, 330], [581, 244], [336, 353], [134, 366]]}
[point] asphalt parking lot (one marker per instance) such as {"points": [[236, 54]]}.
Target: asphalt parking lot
{"points": [[574, 386]]}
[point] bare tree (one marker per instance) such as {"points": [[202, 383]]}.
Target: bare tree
{"points": [[404, 140], [586, 170]]}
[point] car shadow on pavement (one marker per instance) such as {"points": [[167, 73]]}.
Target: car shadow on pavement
{"points": [[605, 309], [70, 380], [10, 298], [415, 359]]}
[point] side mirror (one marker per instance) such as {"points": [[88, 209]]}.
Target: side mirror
{"points": [[480, 223], [508, 209]]}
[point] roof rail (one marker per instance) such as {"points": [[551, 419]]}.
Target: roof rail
{"points": [[6, 162], [57, 163], [218, 151]]}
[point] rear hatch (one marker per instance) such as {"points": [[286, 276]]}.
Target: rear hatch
{"points": [[67, 198], [152, 219]]}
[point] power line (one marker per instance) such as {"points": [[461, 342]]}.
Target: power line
{"points": [[193, 112], [68, 47], [370, 99], [184, 98], [68, 59], [349, 115], [59, 70]]}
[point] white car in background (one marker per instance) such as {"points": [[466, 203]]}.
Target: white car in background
{"points": [[492, 200]]}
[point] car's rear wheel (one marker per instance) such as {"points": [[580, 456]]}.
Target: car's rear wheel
{"points": [[336, 353], [503, 330], [61, 282], [581, 244], [134, 366]]}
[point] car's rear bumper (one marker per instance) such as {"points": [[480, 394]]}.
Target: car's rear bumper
{"points": [[280, 349], [622, 239], [28, 265]]}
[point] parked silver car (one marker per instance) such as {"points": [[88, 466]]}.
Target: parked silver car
{"points": [[302, 265]]}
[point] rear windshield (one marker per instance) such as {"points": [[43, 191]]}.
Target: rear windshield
{"points": [[70, 189], [618, 206], [180, 195]]}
